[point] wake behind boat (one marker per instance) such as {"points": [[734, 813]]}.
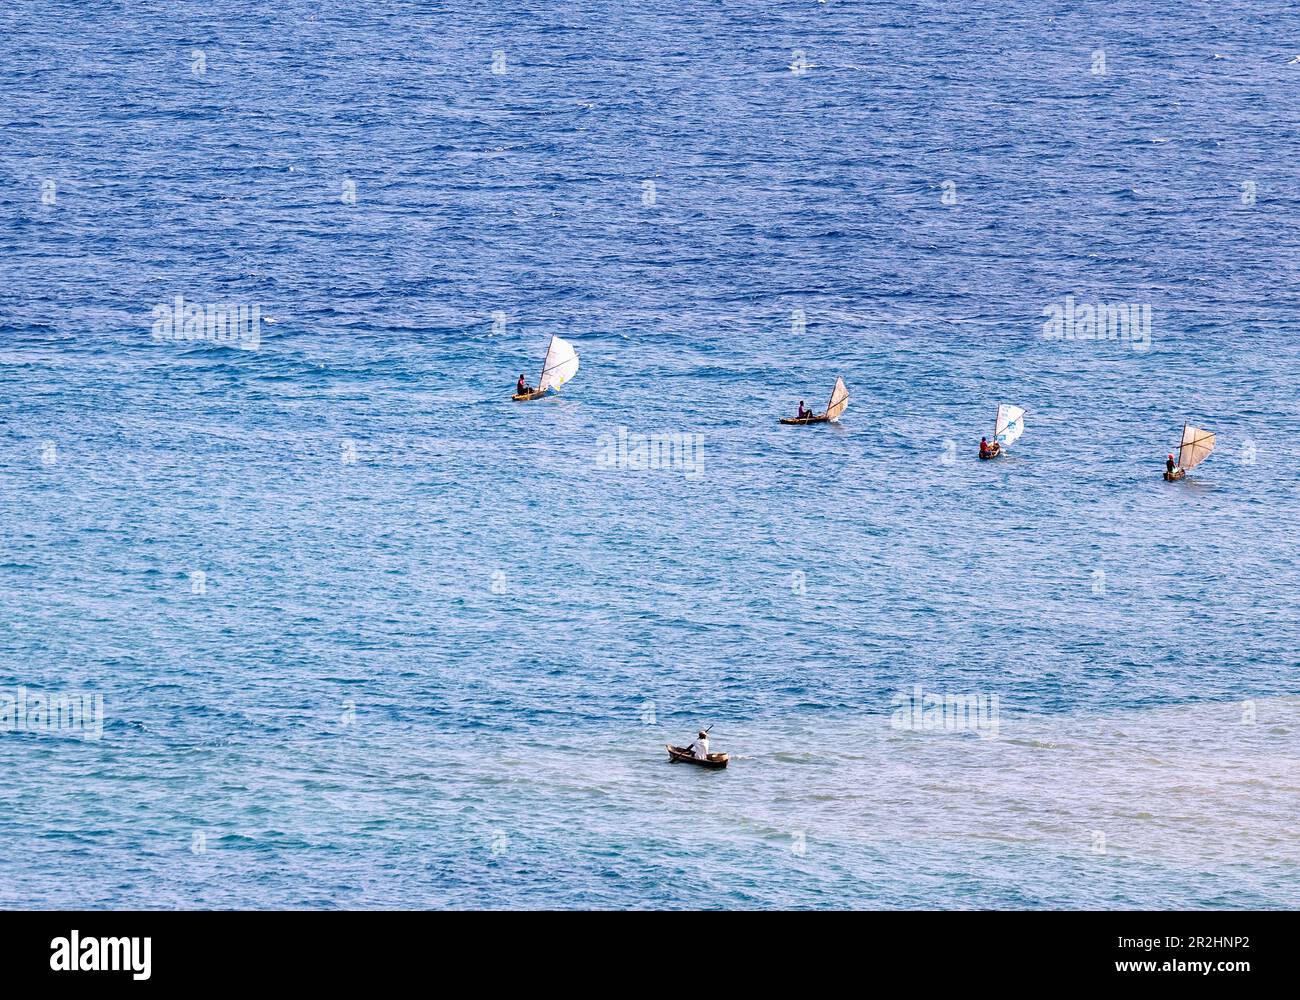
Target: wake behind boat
{"points": [[1193, 449], [560, 365], [834, 408]]}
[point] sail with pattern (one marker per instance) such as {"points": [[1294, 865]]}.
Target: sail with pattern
{"points": [[1010, 424]]}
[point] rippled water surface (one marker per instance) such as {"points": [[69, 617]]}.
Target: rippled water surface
{"points": [[368, 634]]}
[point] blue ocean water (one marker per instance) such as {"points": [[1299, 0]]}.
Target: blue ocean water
{"points": [[368, 634]]}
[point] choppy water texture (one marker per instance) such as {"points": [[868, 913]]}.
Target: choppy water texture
{"points": [[442, 674]]}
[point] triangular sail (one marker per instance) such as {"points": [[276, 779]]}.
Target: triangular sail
{"points": [[1195, 447], [1009, 425], [839, 400], [561, 364]]}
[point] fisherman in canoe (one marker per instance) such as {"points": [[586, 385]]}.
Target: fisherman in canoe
{"points": [[698, 753], [1194, 449], [560, 366], [807, 415], [988, 450]]}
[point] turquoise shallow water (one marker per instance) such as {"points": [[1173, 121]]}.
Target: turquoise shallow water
{"points": [[437, 646]]}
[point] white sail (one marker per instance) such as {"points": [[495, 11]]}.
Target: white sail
{"points": [[1010, 424], [839, 400], [1195, 447], [561, 364]]}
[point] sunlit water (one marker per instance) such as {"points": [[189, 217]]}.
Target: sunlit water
{"points": [[437, 644]]}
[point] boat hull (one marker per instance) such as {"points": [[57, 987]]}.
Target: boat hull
{"points": [[1177, 474], [821, 419], [535, 394], [714, 761], [996, 452]]}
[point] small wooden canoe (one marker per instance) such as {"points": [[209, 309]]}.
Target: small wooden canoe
{"points": [[714, 760], [821, 418], [994, 452], [535, 394], [1177, 474]]}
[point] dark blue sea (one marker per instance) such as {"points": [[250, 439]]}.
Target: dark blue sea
{"points": [[366, 633]]}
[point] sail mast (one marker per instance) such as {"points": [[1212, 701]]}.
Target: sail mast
{"points": [[544, 357]]}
